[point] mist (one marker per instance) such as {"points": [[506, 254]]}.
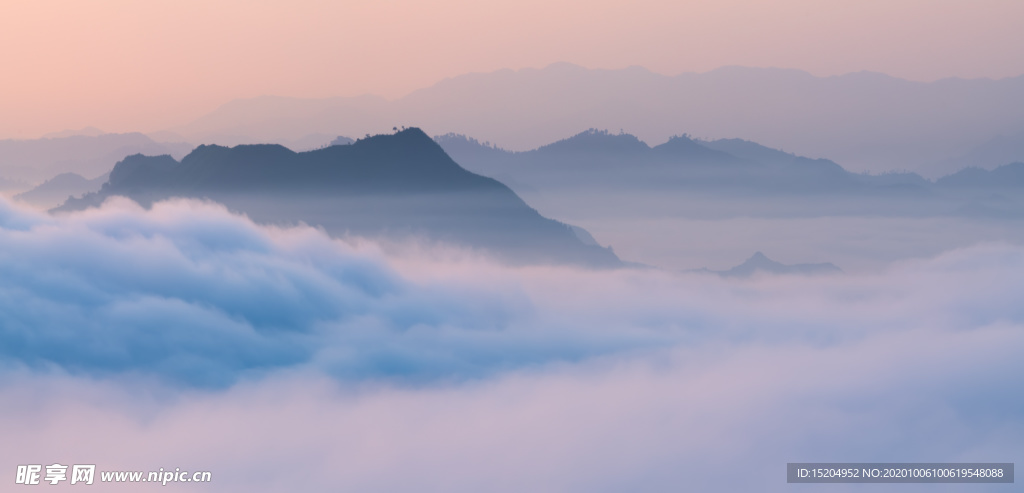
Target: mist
{"points": [[185, 335]]}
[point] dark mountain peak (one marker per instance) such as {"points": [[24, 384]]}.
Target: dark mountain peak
{"points": [[406, 161], [240, 152], [400, 184], [407, 156], [139, 168], [597, 141], [405, 136], [409, 143]]}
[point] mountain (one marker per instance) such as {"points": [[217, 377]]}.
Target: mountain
{"points": [[57, 190], [396, 185], [1007, 176], [37, 160], [867, 121], [998, 151], [759, 263], [751, 151], [463, 148], [598, 174], [598, 159], [679, 147], [595, 143]]}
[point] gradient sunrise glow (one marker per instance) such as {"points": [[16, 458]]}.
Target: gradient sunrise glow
{"points": [[148, 65]]}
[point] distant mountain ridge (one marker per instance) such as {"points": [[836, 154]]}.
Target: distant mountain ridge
{"points": [[1002, 177], [87, 155], [400, 184], [604, 159], [995, 152], [866, 121], [601, 170], [759, 263], [57, 190]]}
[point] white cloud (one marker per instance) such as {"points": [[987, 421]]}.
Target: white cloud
{"points": [[283, 360]]}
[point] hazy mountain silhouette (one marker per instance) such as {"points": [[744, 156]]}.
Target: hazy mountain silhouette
{"points": [[601, 160], [88, 155], [991, 154], [863, 120], [997, 193], [759, 263], [57, 190], [618, 173], [394, 185], [751, 151], [1003, 177], [682, 147], [595, 143]]}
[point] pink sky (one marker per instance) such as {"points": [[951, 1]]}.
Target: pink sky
{"points": [[147, 65]]}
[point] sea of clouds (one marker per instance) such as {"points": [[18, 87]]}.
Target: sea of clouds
{"points": [[281, 359]]}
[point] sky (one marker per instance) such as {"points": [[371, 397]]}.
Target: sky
{"points": [[185, 336], [123, 65]]}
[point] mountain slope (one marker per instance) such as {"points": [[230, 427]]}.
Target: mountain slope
{"points": [[393, 185], [1007, 176], [56, 190]]}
